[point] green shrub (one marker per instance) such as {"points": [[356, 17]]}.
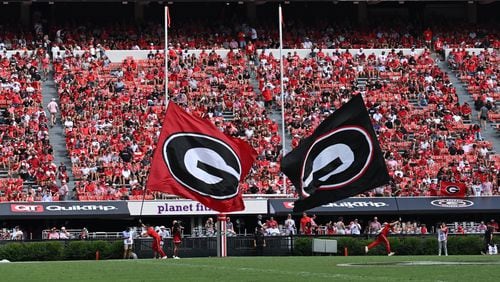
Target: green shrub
{"points": [[43, 251], [465, 245], [302, 246], [59, 250], [32, 251], [114, 250], [88, 249], [410, 245]]}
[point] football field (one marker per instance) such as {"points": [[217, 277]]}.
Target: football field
{"points": [[324, 268]]}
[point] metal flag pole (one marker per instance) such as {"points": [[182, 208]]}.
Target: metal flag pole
{"points": [[167, 24], [283, 140], [221, 235]]}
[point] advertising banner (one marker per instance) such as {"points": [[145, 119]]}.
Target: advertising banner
{"points": [[188, 207], [449, 205], [349, 205], [64, 209], [403, 205]]}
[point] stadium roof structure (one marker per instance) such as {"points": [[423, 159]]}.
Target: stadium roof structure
{"points": [[247, 1]]}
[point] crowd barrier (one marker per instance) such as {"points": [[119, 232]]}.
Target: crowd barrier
{"points": [[117, 56]]}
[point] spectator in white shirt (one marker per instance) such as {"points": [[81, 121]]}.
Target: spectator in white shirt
{"points": [[290, 228], [63, 234]]}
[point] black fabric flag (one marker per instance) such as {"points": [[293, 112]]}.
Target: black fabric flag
{"points": [[340, 159]]}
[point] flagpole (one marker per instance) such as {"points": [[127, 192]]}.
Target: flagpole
{"points": [[283, 140], [167, 15]]}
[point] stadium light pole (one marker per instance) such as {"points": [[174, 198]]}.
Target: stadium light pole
{"points": [[283, 140]]}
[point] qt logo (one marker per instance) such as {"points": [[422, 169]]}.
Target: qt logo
{"points": [[26, 208], [336, 159], [203, 164]]}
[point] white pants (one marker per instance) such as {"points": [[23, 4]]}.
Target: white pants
{"points": [[443, 245]]}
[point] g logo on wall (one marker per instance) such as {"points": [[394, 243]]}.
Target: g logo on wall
{"points": [[336, 159], [452, 189], [203, 164]]}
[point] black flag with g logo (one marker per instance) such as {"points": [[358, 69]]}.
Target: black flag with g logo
{"points": [[340, 159]]}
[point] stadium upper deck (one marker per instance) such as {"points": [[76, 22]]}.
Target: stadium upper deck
{"points": [[208, 85]]}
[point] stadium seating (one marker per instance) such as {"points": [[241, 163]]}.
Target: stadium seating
{"points": [[26, 154], [113, 112], [479, 73], [426, 134], [111, 131], [208, 35]]}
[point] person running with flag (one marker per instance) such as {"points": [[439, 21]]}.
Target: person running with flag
{"points": [[382, 238], [156, 245]]}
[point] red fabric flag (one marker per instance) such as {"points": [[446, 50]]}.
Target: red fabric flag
{"points": [[167, 14], [453, 189], [194, 160]]}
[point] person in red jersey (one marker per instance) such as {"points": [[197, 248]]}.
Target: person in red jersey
{"points": [[156, 245], [303, 221], [177, 234], [382, 238]]}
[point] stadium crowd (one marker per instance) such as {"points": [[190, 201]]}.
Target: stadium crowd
{"points": [[112, 113], [210, 34], [112, 127], [480, 73], [25, 150], [427, 135]]}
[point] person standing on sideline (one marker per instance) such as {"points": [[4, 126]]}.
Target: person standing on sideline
{"points": [[156, 245], [177, 237], [259, 243], [128, 242], [443, 239], [53, 109], [290, 226], [374, 226], [488, 240], [229, 227], [382, 238], [355, 227], [303, 221]]}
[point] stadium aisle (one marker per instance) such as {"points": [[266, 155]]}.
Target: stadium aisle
{"points": [[488, 133], [56, 133], [274, 114]]}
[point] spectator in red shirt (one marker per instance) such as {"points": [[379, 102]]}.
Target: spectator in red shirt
{"points": [[494, 224], [303, 222]]}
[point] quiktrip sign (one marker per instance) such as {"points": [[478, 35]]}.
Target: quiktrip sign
{"points": [[346, 206], [396, 205], [64, 209]]}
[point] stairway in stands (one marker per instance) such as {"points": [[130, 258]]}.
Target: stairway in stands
{"points": [[361, 83], [57, 133], [489, 133], [274, 114], [3, 171]]}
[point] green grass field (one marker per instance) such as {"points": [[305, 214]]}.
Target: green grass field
{"points": [[365, 268]]}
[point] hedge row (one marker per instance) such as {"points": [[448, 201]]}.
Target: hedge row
{"points": [[457, 245], [61, 250]]}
